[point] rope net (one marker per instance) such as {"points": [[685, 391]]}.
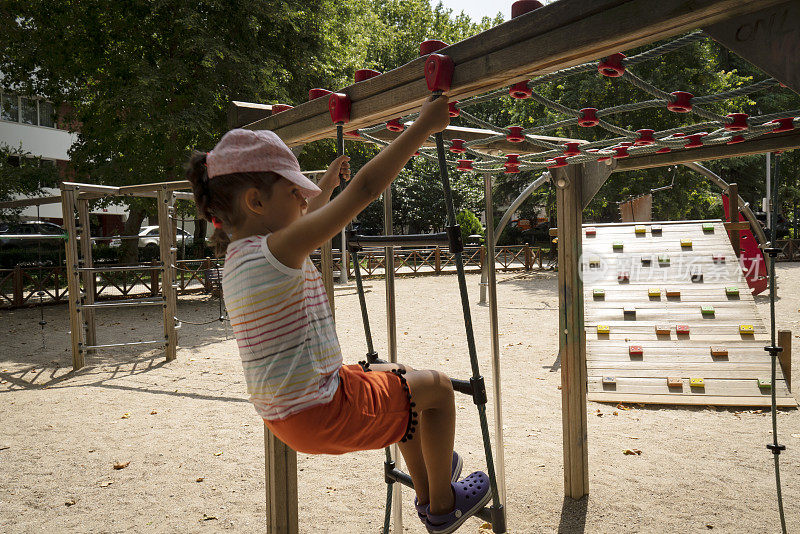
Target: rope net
{"points": [[713, 129]]}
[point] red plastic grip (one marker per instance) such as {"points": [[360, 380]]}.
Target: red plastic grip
{"points": [[352, 133], [695, 140], [277, 108], [439, 72], [738, 122], [663, 150], [735, 140], [512, 160], [452, 110], [365, 74], [339, 107], [612, 66], [464, 165], [681, 102], [556, 162], [395, 125], [572, 149], [621, 151], [515, 134], [512, 169], [645, 137], [457, 146], [783, 125], [520, 90], [315, 93], [589, 118], [520, 7], [430, 46]]}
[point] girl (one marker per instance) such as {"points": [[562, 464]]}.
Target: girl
{"points": [[251, 188]]}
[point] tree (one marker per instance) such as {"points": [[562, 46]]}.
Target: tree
{"points": [[22, 173], [148, 82]]}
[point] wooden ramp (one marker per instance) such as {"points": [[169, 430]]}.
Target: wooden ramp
{"points": [[663, 318]]}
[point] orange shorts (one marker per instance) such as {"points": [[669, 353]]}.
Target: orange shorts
{"points": [[370, 410]]}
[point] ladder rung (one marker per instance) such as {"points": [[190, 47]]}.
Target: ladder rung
{"points": [[115, 345], [119, 268], [413, 240], [124, 303]]}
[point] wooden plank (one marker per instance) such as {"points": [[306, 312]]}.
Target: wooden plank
{"points": [[720, 386], [73, 286], [280, 471], [677, 399], [785, 356], [759, 145], [763, 38], [561, 34], [24, 202], [572, 341]]}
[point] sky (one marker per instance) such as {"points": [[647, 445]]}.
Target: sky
{"points": [[477, 9]]}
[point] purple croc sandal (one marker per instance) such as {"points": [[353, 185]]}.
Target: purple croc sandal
{"points": [[471, 496], [455, 472]]}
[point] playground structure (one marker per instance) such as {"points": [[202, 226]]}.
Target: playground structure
{"points": [[670, 321], [539, 45], [548, 43]]}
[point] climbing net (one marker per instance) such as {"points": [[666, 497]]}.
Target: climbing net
{"points": [[715, 129]]}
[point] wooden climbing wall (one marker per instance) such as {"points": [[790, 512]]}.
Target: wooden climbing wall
{"points": [[658, 297]]}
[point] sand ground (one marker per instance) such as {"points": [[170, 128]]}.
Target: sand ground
{"points": [[195, 446]]}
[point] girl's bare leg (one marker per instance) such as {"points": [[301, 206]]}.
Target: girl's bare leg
{"points": [[429, 455]]}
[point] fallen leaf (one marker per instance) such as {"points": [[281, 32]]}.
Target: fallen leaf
{"points": [[218, 453], [153, 412], [622, 407], [630, 452], [126, 415], [200, 479], [121, 465], [69, 502], [632, 437], [105, 484], [209, 517]]}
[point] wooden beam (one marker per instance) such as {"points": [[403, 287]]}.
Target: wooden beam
{"points": [[785, 356], [89, 289], [73, 282], [759, 145], [167, 226], [767, 38], [572, 337], [561, 34], [241, 113], [24, 202]]}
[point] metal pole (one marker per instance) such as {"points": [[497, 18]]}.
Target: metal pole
{"points": [[343, 269], [391, 337], [493, 327], [767, 195]]}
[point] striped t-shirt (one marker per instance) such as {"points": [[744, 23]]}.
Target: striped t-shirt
{"points": [[284, 329]]}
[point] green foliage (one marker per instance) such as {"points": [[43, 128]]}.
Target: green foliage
{"points": [[470, 225], [21, 173]]}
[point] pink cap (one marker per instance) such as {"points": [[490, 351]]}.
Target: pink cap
{"points": [[243, 150]]}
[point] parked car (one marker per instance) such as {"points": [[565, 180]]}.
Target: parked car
{"points": [[32, 234], [148, 238]]}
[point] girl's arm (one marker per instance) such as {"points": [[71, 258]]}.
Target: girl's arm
{"points": [[329, 181], [292, 244]]}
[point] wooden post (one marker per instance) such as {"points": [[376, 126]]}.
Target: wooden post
{"points": [[539, 256], [18, 286], [167, 227], [154, 275], [207, 275], [733, 216], [528, 258], [482, 256], [73, 281], [88, 278], [572, 339], [785, 356], [281, 484], [437, 259]]}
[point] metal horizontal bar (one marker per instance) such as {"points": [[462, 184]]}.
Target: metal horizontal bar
{"points": [[119, 268], [462, 386], [123, 303], [32, 236], [412, 240], [115, 345]]}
